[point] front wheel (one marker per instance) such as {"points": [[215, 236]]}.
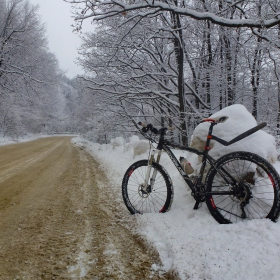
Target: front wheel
{"points": [[242, 186], [154, 197]]}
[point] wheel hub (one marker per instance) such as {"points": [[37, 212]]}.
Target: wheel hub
{"points": [[242, 193], [142, 192]]}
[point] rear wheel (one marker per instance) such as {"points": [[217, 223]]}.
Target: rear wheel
{"points": [[156, 197], [243, 186]]}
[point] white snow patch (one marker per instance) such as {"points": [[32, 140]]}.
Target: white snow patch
{"points": [[83, 262], [110, 250], [190, 241]]}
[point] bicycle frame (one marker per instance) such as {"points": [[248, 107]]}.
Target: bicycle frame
{"points": [[194, 185], [186, 177], [213, 179], [164, 145]]}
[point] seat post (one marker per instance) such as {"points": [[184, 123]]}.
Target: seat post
{"points": [[209, 136]]}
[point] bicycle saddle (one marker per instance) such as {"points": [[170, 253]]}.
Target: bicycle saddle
{"points": [[220, 119]]}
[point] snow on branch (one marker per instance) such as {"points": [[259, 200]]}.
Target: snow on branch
{"points": [[98, 10]]}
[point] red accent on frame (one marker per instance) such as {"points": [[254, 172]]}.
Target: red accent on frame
{"points": [[209, 137], [207, 148]]}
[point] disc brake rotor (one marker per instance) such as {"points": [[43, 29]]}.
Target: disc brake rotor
{"points": [[242, 193], [142, 192]]}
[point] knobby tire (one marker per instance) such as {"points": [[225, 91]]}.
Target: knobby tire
{"points": [[137, 200], [254, 189]]}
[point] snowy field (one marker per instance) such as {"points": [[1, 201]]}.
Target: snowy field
{"points": [[190, 241]]}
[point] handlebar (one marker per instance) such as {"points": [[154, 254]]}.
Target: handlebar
{"points": [[149, 127]]}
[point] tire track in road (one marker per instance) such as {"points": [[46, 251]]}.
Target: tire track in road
{"points": [[59, 218]]}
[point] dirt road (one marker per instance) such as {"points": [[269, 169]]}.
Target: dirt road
{"points": [[59, 218]]}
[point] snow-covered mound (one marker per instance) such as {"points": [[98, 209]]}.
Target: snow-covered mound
{"points": [[117, 142], [239, 121], [192, 242]]}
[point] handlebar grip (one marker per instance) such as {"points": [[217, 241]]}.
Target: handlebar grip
{"points": [[142, 124], [147, 127], [144, 127]]}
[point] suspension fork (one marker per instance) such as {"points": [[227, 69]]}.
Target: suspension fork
{"points": [[150, 164]]}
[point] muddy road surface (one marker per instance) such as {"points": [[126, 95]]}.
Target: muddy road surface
{"points": [[59, 218]]}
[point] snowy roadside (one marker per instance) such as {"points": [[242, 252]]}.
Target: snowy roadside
{"points": [[28, 137], [7, 140], [192, 242]]}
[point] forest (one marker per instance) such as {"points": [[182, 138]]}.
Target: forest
{"points": [[166, 62], [35, 94]]}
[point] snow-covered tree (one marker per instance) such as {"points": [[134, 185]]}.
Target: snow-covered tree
{"points": [[30, 78], [246, 13], [182, 59]]}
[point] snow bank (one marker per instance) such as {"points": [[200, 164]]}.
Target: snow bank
{"points": [[134, 140], [140, 148], [137, 146], [25, 138], [192, 242], [239, 121], [118, 142]]}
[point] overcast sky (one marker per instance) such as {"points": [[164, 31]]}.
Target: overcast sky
{"points": [[56, 14]]}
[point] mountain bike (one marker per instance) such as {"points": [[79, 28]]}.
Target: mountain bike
{"points": [[236, 187]]}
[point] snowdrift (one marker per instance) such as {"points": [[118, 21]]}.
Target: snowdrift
{"points": [[239, 121]]}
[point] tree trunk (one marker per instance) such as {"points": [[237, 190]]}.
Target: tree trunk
{"points": [[255, 79], [209, 62], [255, 72], [179, 53]]}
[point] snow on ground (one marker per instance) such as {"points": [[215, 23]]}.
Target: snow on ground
{"points": [[10, 140], [191, 241]]}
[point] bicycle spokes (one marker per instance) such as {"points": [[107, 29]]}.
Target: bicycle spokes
{"points": [[147, 194], [245, 190]]}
